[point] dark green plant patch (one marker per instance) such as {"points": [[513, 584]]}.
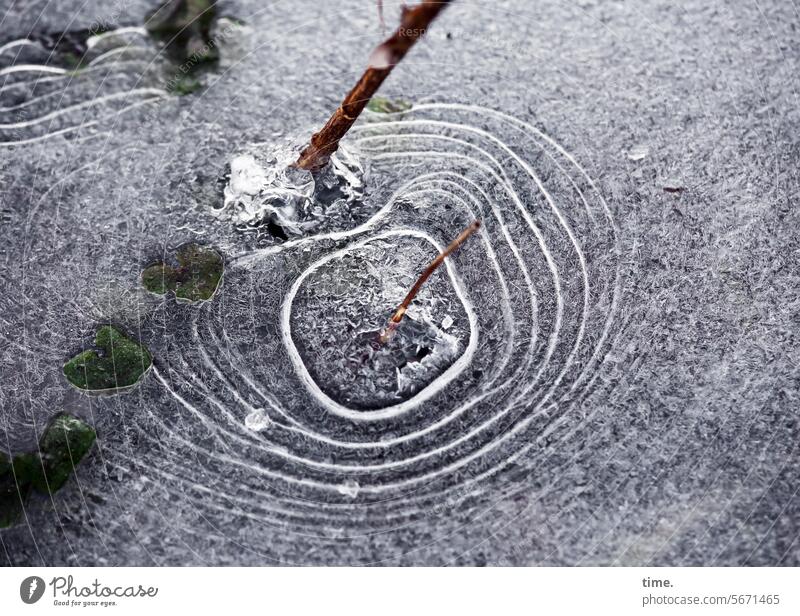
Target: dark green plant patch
{"points": [[28, 470], [190, 33], [120, 363], [65, 442], [11, 499], [195, 279], [184, 27]]}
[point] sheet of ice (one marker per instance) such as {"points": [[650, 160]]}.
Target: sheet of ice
{"points": [[647, 421]]}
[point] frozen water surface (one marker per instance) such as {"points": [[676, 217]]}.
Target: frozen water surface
{"points": [[605, 373]]}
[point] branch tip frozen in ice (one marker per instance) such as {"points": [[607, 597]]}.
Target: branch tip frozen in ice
{"points": [[398, 315]]}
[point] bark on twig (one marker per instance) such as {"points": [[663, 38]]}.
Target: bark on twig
{"points": [[398, 315], [413, 24]]}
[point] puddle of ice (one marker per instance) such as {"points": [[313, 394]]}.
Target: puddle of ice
{"points": [[341, 307]]}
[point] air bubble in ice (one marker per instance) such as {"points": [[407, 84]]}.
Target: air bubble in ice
{"points": [[257, 420], [638, 152], [349, 488]]}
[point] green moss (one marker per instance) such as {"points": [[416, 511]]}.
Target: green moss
{"points": [[184, 29], [62, 446], [28, 469], [196, 279], [378, 104], [159, 278], [65, 442], [121, 364]]}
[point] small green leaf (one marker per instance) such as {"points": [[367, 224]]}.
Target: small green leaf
{"points": [[196, 279], [121, 364]]}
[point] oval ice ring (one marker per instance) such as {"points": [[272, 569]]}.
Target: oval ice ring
{"points": [[345, 299]]}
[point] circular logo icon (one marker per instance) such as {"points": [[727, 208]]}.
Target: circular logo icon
{"points": [[31, 589]]}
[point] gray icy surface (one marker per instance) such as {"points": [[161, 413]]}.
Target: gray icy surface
{"points": [[670, 439]]}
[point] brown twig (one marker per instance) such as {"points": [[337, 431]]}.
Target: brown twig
{"points": [[413, 24], [398, 315]]}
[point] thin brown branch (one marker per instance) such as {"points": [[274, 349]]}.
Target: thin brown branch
{"points": [[413, 24], [398, 315]]}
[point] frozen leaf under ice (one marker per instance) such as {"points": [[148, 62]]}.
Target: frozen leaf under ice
{"points": [[65, 442], [118, 363], [195, 279]]}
